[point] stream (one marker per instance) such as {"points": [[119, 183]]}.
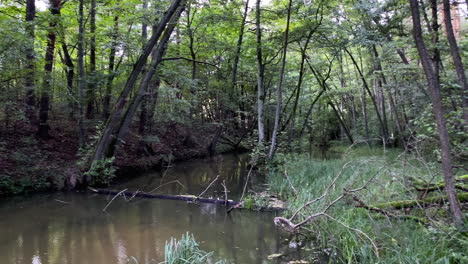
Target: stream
{"points": [[71, 228]]}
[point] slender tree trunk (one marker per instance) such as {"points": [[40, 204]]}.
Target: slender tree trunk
{"points": [[459, 68], [438, 113], [280, 85], [374, 102], [43, 128], [239, 46], [260, 75], [92, 63], [111, 70], [144, 99], [81, 80], [104, 144], [157, 55], [29, 83], [390, 97], [70, 75]]}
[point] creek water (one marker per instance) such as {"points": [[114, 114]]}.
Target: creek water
{"points": [[71, 228]]}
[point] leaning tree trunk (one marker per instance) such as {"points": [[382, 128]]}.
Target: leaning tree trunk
{"points": [[459, 68], [260, 75], [374, 102], [30, 59], [43, 128], [434, 86], [104, 144], [280, 85], [157, 55]]}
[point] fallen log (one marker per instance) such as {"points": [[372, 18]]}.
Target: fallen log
{"points": [[186, 198], [461, 183], [462, 197]]}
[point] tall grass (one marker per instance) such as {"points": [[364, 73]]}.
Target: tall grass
{"points": [[186, 251], [398, 241]]}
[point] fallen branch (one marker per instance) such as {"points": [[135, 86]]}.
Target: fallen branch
{"points": [[361, 204], [113, 198], [186, 198], [462, 197], [207, 188], [419, 185]]}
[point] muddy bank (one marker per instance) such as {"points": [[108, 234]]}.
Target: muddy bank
{"points": [[29, 164]]}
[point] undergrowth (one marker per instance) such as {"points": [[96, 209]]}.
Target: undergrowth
{"points": [[357, 235]]}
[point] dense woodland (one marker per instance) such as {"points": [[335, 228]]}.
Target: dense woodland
{"points": [[90, 85]]}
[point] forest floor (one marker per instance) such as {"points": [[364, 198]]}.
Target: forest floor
{"points": [[29, 164]]}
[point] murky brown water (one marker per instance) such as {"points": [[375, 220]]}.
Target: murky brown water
{"points": [[71, 228]]}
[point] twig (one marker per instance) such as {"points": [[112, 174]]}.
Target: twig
{"points": [[60, 201], [324, 193], [289, 181], [225, 192], [376, 249], [246, 182], [115, 196], [164, 184], [200, 195]]}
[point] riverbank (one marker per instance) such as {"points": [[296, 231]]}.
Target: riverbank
{"points": [[342, 204], [29, 164]]}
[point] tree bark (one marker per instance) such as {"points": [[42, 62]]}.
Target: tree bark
{"points": [[459, 68], [157, 55], [392, 103], [111, 68], [438, 113], [70, 75], [90, 94], [43, 128], [239, 46], [102, 148], [374, 102], [260, 75], [280, 85], [29, 83], [81, 80]]}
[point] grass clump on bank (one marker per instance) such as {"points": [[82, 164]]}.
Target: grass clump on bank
{"points": [[342, 192]]}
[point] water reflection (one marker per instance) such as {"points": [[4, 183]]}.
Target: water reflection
{"points": [[194, 176], [72, 229]]}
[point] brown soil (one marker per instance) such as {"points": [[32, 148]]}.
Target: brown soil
{"points": [[29, 164]]}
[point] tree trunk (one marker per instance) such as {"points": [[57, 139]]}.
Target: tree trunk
{"points": [[438, 113], [239, 46], [260, 75], [92, 63], [374, 102], [111, 70], [70, 75], [456, 60], [30, 100], [280, 85], [102, 148], [43, 128], [392, 103], [157, 55], [81, 73]]}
